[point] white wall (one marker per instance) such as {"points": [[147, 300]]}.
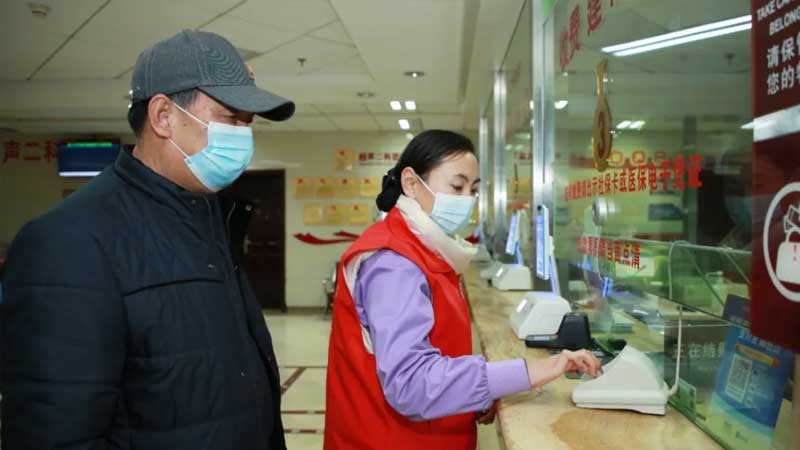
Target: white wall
{"points": [[307, 265], [28, 190]]}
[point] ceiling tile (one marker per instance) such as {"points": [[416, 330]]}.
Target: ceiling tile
{"points": [[248, 35], [117, 51], [268, 125], [18, 24], [390, 123], [312, 123], [439, 108], [352, 66], [87, 60], [27, 41], [19, 63], [381, 108], [397, 36], [355, 123], [216, 6], [305, 109], [341, 108], [443, 121], [317, 54], [333, 32], [294, 15]]}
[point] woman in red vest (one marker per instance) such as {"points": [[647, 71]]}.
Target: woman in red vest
{"points": [[401, 374]]}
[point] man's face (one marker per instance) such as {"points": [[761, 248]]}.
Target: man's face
{"points": [[192, 137]]}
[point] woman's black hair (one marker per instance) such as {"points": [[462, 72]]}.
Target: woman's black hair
{"points": [[424, 153]]}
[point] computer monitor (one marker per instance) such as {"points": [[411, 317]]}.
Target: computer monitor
{"points": [[85, 159], [543, 250]]}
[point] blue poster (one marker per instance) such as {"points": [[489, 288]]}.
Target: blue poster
{"points": [[750, 383]]}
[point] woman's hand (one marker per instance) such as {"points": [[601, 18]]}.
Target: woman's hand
{"points": [[543, 371]]}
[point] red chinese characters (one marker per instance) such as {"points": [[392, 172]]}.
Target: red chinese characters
{"points": [[679, 174], [32, 151], [594, 14], [11, 150], [612, 250], [50, 151]]}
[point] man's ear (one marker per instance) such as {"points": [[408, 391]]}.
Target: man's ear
{"points": [[159, 109]]}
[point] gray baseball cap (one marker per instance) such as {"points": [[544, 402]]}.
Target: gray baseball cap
{"points": [[208, 62]]}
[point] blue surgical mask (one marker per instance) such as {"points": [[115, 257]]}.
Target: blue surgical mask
{"points": [[450, 212], [227, 154]]}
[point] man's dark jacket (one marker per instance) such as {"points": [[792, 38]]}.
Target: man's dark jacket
{"points": [[125, 324]]}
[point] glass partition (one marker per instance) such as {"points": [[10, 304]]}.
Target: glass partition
{"points": [[519, 154], [487, 173], [653, 199]]}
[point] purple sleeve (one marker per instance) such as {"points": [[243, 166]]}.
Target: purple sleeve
{"points": [[393, 302]]}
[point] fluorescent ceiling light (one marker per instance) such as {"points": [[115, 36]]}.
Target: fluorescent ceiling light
{"points": [[676, 35], [409, 136], [635, 50], [411, 105], [624, 124], [638, 125], [561, 104], [749, 125], [531, 105], [404, 124], [396, 106]]}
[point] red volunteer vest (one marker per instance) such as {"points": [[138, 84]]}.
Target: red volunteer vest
{"points": [[357, 415]]}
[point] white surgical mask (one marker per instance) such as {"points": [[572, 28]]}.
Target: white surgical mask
{"points": [[450, 212]]}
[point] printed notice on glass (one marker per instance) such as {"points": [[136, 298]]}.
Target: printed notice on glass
{"points": [[775, 246]]}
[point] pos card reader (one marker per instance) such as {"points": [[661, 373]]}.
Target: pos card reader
{"points": [[573, 334]]}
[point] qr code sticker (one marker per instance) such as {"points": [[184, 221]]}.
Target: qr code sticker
{"points": [[739, 378]]}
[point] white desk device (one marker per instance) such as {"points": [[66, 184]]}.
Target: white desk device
{"points": [[482, 257], [491, 270], [630, 381], [514, 277], [541, 312]]}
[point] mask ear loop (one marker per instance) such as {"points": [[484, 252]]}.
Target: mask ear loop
{"points": [[179, 149], [190, 115], [425, 184], [193, 117]]}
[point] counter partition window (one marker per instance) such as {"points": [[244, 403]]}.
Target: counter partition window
{"points": [[487, 157], [517, 68], [652, 161]]}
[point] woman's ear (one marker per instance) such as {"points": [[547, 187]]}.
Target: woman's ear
{"points": [[409, 182]]}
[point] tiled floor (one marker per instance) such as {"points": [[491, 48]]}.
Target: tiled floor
{"points": [[301, 346]]}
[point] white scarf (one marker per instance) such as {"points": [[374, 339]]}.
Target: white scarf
{"points": [[455, 251]]}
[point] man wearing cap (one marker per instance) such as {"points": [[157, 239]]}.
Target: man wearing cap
{"points": [[125, 323]]}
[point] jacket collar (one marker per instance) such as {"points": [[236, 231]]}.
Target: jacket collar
{"points": [[162, 190]]}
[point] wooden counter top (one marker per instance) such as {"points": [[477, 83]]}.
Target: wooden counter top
{"points": [[550, 420]]}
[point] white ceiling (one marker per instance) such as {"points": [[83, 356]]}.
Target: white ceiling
{"points": [[70, 71], [709, 80]]}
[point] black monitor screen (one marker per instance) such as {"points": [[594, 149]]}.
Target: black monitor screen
{"points": [[85, 159]]}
